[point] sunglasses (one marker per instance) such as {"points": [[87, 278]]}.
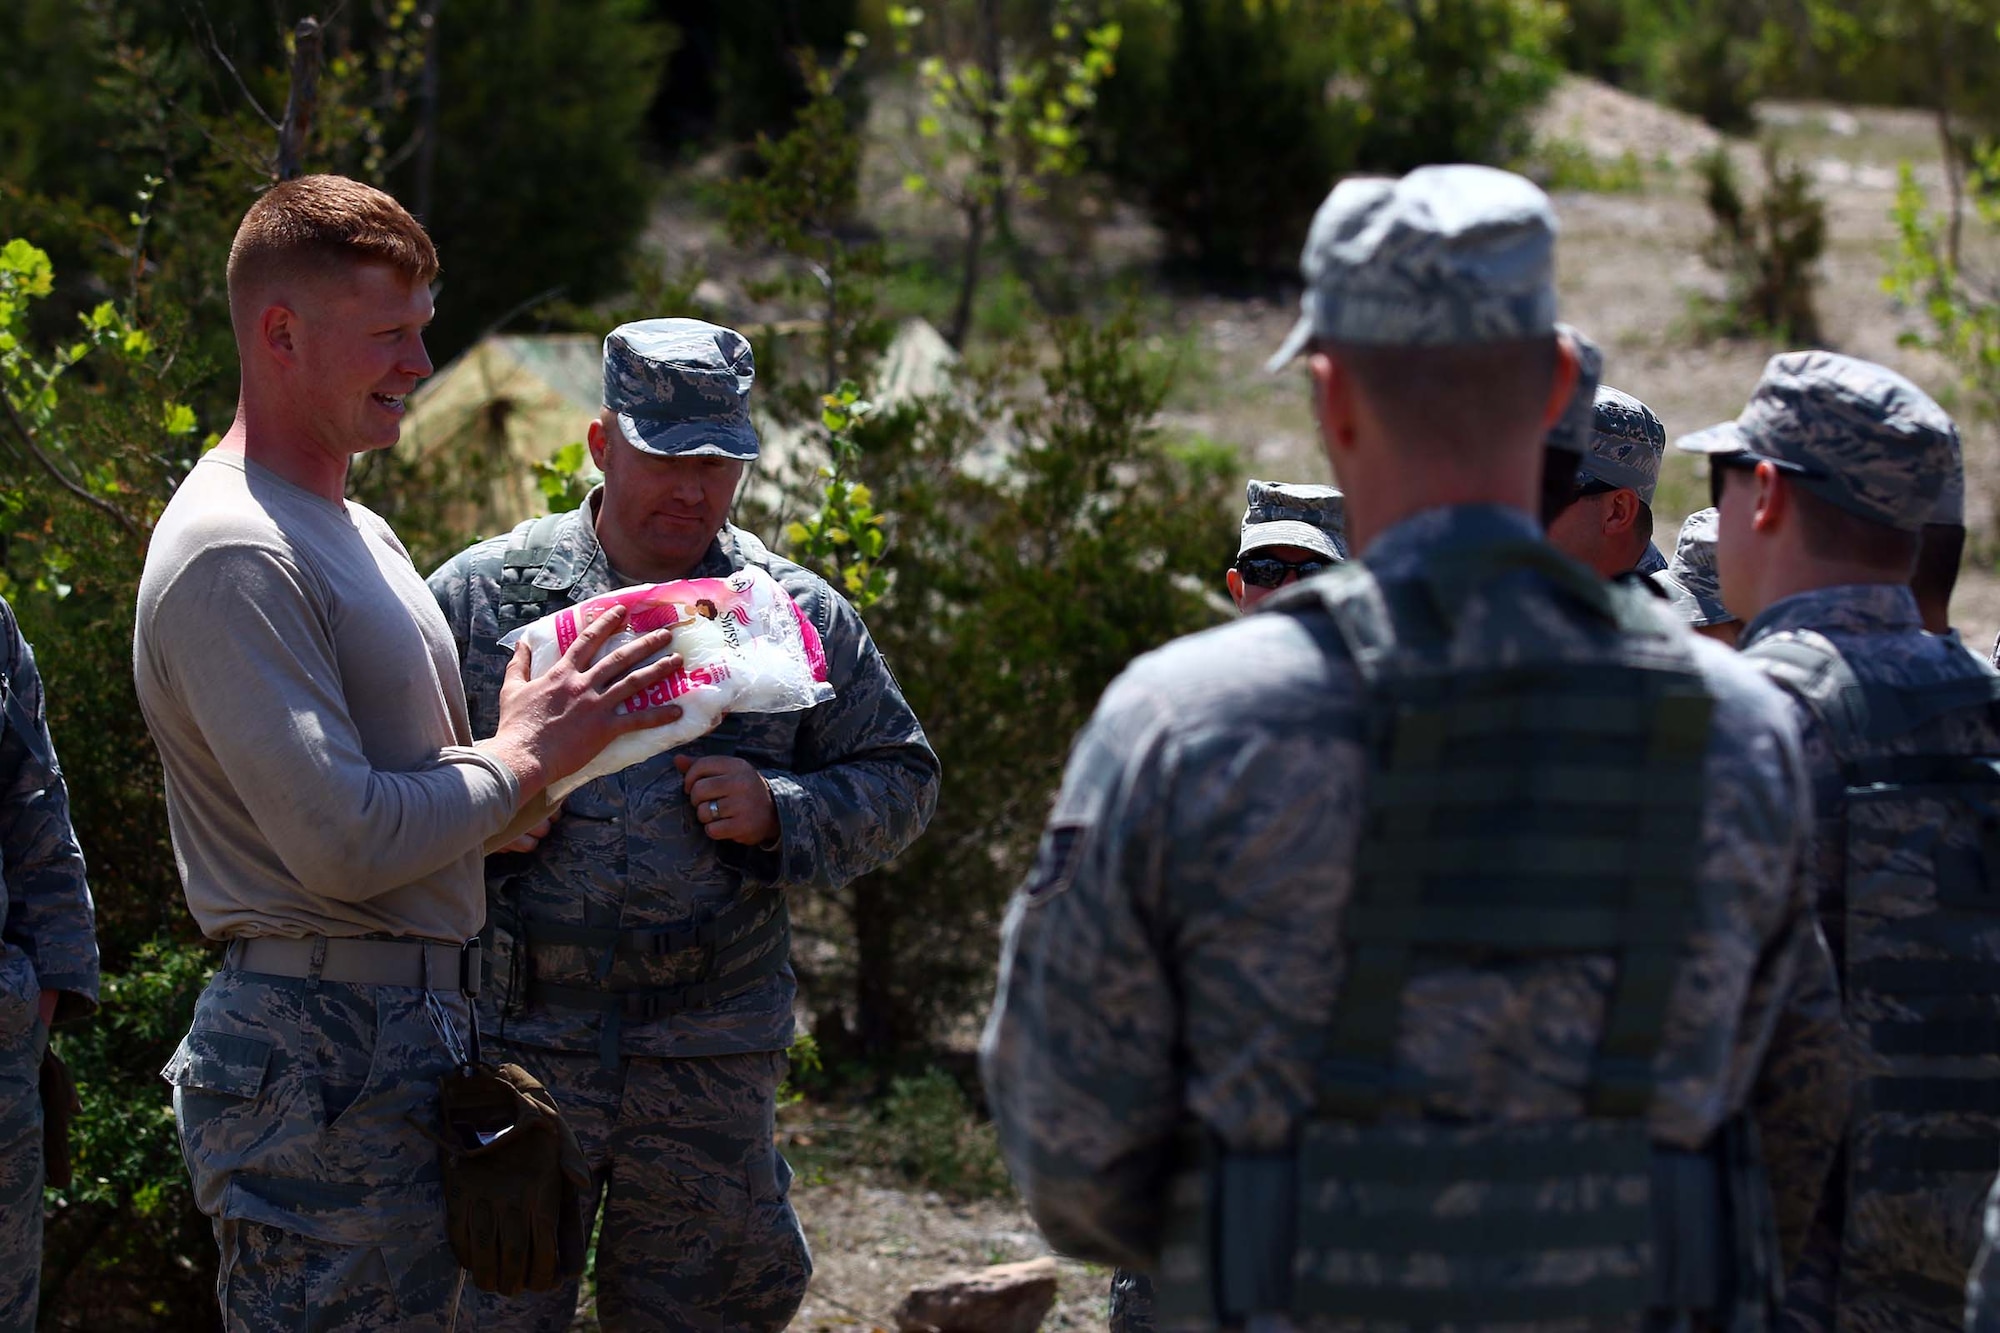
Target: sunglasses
{"points": [[1721, 465], [1267, 573]]}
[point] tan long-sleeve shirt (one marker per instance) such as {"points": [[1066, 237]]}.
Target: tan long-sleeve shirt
{"points": [[304, 694]]}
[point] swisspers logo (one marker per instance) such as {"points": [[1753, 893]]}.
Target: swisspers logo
{"points": [[675, 686]]}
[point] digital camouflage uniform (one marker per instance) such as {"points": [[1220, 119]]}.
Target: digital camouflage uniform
{"points": [[1173, 967], [1891, 720], [49, 943], [1275, 513], [1690, 581], [675, 1110]]}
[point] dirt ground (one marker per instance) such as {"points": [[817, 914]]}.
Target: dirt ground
{"points": [[1630, 266]]}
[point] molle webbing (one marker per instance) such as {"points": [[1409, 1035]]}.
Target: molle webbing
{"points": [[741, 947], [521, 599], [1537, 810], [1525, 812], [1426, 1224], [1915, 923]]}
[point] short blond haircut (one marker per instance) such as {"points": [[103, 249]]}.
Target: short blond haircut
{"points": [[305, 225]]}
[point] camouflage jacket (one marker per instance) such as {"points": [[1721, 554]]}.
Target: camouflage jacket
{"points": [[1890, 1272], [50, 937], [1880, 632], [854, 781], [1176, 953]]}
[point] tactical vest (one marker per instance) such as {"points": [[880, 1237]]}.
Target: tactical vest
{"points": [[1509, 815], [741, 946], [1919, 943]]}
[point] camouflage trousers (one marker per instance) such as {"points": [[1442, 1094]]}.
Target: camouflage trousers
{"points": [[1131, 1302], [20, 1169], [698, 1231], [305, 1109], [1903, 1277]]}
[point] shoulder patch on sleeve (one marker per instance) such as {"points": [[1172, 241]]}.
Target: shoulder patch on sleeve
{"points": [[1056, 860]]}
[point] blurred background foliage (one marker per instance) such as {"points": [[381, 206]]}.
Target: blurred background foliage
{"points": [[1037, 527]]}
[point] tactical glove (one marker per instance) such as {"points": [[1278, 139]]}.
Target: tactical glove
{"points": [[515, 1181], [60, 1105]]}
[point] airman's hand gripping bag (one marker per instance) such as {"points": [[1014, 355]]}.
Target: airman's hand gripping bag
{"points": [[745, 646]]}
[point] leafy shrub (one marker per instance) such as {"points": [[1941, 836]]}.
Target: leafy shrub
{"points": [[125, 1247], [1198, 83], [1767, 250], [1229, 120], [1445, 80], [1563, 164], [1041, 534], [926, 1131]]}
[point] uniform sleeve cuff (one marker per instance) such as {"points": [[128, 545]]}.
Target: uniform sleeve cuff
{"points": [[76, 996]]}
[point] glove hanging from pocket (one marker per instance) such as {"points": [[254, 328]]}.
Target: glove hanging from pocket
{"points": [[60, 1105], [515, 1180]]}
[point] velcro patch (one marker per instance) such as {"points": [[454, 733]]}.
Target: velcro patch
{"points": [[1056, 860]]}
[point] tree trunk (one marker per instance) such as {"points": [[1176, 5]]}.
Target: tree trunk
{"points": [[878, 1020], [427, 116], [968, 278], [296, 130]]}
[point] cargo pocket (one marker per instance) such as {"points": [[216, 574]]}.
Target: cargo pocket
{"points": [[216, 1077], [219, 1062]]}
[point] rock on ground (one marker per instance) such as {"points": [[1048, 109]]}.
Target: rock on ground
{"points": [[1003, 1298]]}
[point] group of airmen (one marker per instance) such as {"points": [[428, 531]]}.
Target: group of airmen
{"points": [[1469, 938], [1498, 926]]}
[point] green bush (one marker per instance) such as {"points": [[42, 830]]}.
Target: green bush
{"points": [[1217, 122], [926, 1131], [1767, 249], [1444, 80], [1041, 535], [1229, 120], [125, 1247]]}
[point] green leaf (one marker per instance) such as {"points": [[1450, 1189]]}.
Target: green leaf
{"points": [[797, 534], [178, 419]]}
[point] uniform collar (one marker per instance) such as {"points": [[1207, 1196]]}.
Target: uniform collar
{"points": [[1403, 550], [1850, 608]]}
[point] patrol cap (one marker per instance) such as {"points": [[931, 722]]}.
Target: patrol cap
{"points": [[1627, 442], [681, 388], [1571, 432], [1285, 513], [1950, 508], [1447, 255], [1689, 580], [1856, 434]]}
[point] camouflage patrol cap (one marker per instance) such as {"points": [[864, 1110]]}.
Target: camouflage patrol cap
{"points": [[1284, 513], [681, 387], [1571, 433], [1446, 255], [1856, 434], [1950, 507], [1626, 444], [1690, 581]]}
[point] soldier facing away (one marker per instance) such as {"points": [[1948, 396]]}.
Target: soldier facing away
{"points": [[1291, 530], [1335, 998], [1690, 582], [640, 955], [48, 958], [328, 805], [1823, 485]]}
